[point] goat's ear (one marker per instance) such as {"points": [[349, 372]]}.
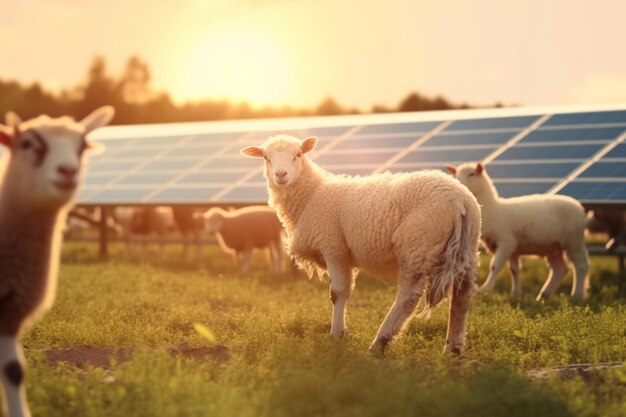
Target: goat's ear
{"points": [[479, 168], [6, 136], [101, 116], [308, 144], [451, 169], [252, 152]]}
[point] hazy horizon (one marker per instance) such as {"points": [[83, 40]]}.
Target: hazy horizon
{"points": [[297, 52]]}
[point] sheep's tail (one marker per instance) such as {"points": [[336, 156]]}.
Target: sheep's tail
{"points": [[458, 260]]}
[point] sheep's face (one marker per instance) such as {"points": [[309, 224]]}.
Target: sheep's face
{"points": [[213, 221], [473, 176], [283, 157], [46, 156]]}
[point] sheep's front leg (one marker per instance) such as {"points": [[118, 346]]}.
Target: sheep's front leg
{"points": [[243, 259], [12, 376], [503, 253], [341, 286]]}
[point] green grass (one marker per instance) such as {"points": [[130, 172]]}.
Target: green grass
{"points": [[283, 362]]}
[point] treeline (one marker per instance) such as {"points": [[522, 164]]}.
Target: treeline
{"points": [[136, 102]]}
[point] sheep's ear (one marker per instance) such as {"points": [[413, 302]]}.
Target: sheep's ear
{"points": [[13, 120], [252, 152], [308, 144], [6, 136], [102, 116], [451, 169], [95, 148], [479, 168]]}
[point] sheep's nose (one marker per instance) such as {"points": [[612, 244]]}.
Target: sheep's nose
{"points": [[281, 174], [67, 171]]}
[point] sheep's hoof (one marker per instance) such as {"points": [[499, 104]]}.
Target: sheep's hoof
{"points": [[453, 351], [377, 348], [338, 335]]}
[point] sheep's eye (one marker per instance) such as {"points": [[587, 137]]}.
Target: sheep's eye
{"points": [[26, 144], [472, 174], [266, 158]]}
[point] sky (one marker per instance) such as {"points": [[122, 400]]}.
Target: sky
{"points": [[360, 52]]}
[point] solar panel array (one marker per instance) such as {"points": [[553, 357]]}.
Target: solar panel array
{"points": [[577, 154]]}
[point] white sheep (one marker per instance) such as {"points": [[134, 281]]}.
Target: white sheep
{"points": [[42, 166], [421, 228], [538, 224], [240, 231]]}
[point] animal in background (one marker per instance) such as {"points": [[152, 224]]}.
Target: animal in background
{"points": [[611, 222], [546, 225], [240, 231], [420, 228], [42, 170]]}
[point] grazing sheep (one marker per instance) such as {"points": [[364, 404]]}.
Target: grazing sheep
{"points": [[611, 222], [240, 231], [144, 221], [530, 225], [421, 227], [190, 225], [42, 169]]}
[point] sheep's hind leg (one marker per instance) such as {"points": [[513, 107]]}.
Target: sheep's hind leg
{"points": [[341, 286], [459, 309], [12, 376], [410, 290], [558, 269], [580, 258], [514, 267]]}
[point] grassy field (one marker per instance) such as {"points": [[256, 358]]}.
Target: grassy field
{"points": [[276, 358]]}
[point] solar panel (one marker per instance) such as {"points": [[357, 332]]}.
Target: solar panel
{"points": [[578, 152]]}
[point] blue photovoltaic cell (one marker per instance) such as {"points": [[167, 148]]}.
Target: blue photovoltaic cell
{"points": [[236, 161], [531, 170], [490, 138], [618, 116], [355, 158], [595, 191], [161, 164], [356, 143], [209, 177], [99, 180], [515, 189], [145, 179], [618, 152], [495, 123], [140, 153], [114, 166], [605, 170], [445, 156], [117, 195], [191, 151], [176, 195], [246, 193], [162, 141], [550, 152], [569, 135], [213, 139], [398, 128]]}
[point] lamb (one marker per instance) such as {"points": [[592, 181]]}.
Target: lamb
{"points": [[421, 228], [530, 225], [240, 231], [41, 174]]}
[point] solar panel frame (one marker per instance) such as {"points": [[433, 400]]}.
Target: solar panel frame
{"points": [[393, 142]]}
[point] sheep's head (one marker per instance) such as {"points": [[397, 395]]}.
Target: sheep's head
{"points": [[474, 176], [214, 219], [46, 155], [283, 156]]}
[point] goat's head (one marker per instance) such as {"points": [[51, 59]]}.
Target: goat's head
{"points": [[284, 157], [46, 155]]}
